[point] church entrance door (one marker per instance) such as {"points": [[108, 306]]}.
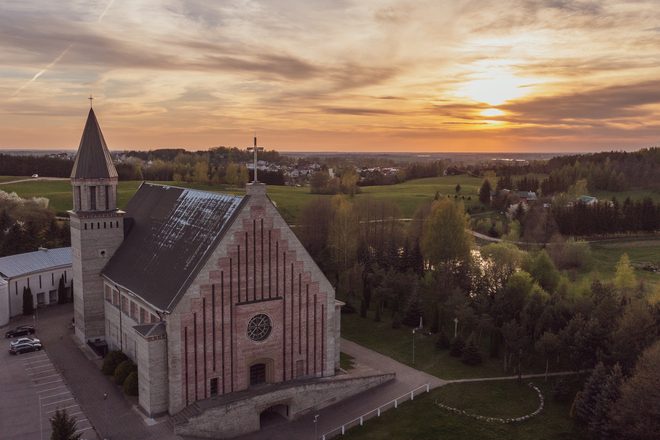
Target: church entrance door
{"points": [[257, 374]]}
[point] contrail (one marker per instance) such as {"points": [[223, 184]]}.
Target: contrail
{"points": [[108, 6], [60, 56], [42, 71]]}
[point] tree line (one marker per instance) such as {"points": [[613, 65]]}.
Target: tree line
{"points": [[516, 306], [27, 224]]}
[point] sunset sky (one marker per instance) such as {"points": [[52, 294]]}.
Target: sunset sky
{"points": [[333, 75]]}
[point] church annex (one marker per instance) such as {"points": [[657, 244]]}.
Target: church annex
{"points": [[208, 293]]}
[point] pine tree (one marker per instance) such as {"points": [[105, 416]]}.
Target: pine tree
{"points": [[61, 291], [624, 280], [585, 401], [63, 426], [457, 346], [458, 188], [442, 343], [484, 193], [413, 312], [471, 354], [599, 424], [28, 301]]}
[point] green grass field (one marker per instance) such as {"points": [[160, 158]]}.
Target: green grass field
{"points": [[606, 255], [397, 344], [290, 200], [421, 419]]}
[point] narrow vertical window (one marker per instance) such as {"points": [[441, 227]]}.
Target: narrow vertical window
{"points": [[107, 197], [92, 198]]}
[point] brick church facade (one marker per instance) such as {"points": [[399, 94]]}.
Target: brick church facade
{"points": [[208, 293]]}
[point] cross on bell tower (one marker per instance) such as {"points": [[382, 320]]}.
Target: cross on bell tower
{"points": [[255, 150]]}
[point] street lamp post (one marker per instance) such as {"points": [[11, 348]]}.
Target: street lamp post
{"points": [[105, 416], [413, 336], [316, 426]]}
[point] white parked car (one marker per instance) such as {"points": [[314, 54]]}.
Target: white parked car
{"points": [[35, 175], [24, 341]]}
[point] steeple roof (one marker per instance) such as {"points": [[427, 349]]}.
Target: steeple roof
{"points": [[93, 160]]}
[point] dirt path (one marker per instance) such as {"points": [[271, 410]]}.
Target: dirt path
{"points": [[33, 179]]}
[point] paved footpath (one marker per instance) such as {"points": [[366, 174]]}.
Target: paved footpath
{"points": [[407, 379]]}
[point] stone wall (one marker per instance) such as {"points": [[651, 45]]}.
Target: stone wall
{"points": [[94, 239], [219, 420], [152, 374]]}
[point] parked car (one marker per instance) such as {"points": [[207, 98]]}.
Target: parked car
{"points": [[24, 341], [22, 330], [34, 176], [24, 348]]}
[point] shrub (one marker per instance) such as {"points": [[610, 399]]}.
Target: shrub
{"points": [[562, 391], [131, 384], [112, 359], [123, 370], [457, 346], [443, 341], [471, 353]]}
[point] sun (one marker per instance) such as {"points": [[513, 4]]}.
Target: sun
{"points": [[491, 112], [494, 88]]}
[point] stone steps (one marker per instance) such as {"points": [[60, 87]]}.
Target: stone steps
{"points": [[183, 416]]}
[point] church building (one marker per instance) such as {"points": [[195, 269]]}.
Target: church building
{"points": [[208, 293]]}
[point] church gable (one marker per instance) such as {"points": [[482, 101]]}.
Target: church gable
{"points": [[260, 306]]}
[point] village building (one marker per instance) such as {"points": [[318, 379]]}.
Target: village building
{"points": [[40, 271], [209, 294]]}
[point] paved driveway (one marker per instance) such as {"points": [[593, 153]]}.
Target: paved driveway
{"points": [[31, 390]]}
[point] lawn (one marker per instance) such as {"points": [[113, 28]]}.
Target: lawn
{"points": [[607, 254], [289, 200], [397, 344], [421, 419]]}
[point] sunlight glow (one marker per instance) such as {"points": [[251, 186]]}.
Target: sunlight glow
{"points": [[490, 112], [495, 89]]}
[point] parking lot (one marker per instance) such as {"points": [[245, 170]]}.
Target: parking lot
{"points": [[31, 390]]}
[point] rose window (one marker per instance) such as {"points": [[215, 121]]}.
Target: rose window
{"points": [[259, 327]]}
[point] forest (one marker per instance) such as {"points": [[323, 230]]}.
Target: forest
{"points": [[520, 307]]}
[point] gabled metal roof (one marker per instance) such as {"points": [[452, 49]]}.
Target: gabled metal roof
{"points": [[171, 233], [93, 160], [23, 264]]}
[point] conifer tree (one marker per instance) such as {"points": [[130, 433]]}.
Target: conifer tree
{"points": [[471, 354], [457, 346], [442, 343], [63, 426], [599, 424], [28, 301], [61, 291], [484, 193], [624, 280], [585, 401]]}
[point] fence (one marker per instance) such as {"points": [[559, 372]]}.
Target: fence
{"points": [[359, 421]]}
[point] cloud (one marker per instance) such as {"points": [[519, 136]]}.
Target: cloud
{"points": [[166, 69], [600, 104], [357, 111]]}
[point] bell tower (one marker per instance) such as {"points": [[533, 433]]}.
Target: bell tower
{"points": [[97, 228]]}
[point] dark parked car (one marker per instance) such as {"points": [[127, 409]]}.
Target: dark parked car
{"points": [[22, 330], [24, 348]]}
